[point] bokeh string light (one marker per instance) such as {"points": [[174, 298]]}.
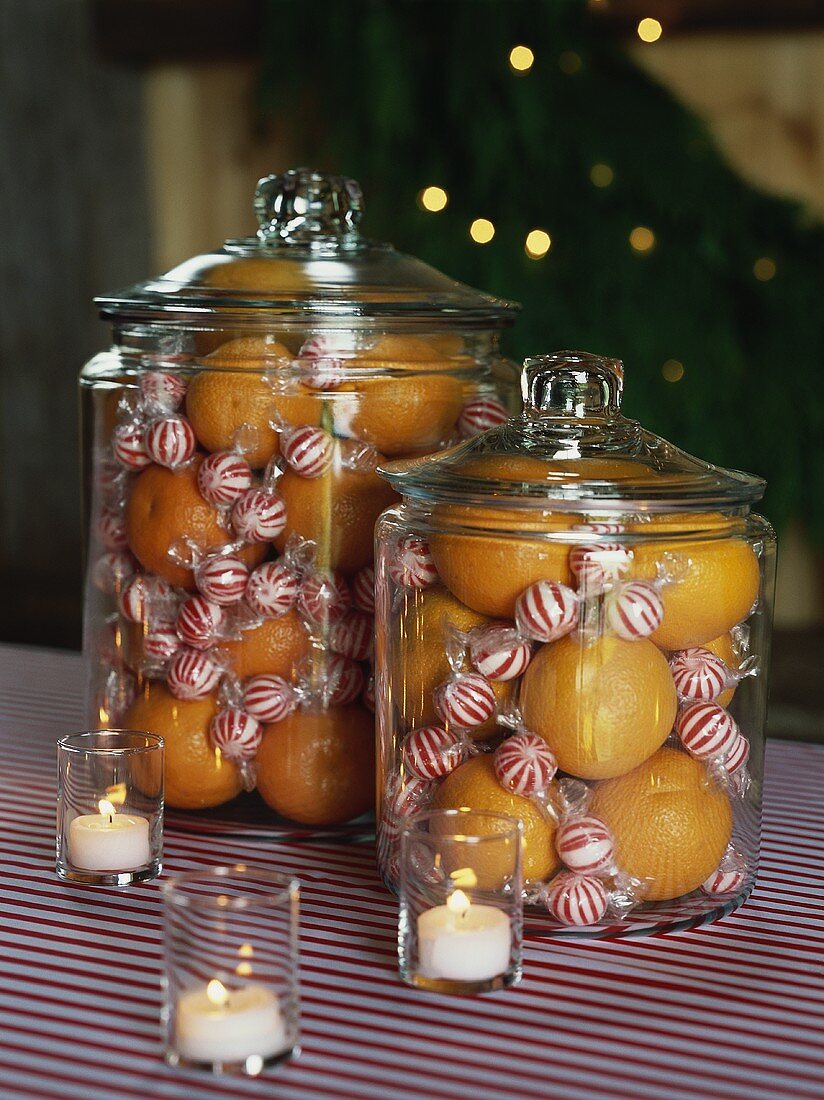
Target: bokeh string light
{"points": [[649, 30], [537, 244], [521, 59], [642, 239], [433, 199], [482, 231]]}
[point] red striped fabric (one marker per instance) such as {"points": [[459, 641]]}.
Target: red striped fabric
{"points": [[735, 1009]]}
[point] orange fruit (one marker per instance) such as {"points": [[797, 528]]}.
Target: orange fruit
{"points": [[277, 646], [715, 585], [259, 275], [318, 767], [602, 707], [474, 785], [670, 821], [337, 512], [401, 414], [420, 663], [401, 352], [196, 775], [164, 508], [221, 401], [726, 647]]}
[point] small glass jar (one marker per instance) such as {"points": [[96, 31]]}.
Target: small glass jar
{"points": [[109, 807], [573, 624], [231, 435], [460, 921], [231, 987]]}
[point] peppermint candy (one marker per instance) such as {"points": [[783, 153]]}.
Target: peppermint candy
{"points": [[272, 589], [259, 515], [412, 565], [309, 451], [141, 594], [324, 597], [408, 796], [706, 730], [344, 680], [353, 636], [480, 414], [170, 442], [192, 674], [577, 899], [634, 610], [498, 652], [363, 590], [585, 844], [546, 611], [160, 644], [524, 764], [321, 367], [112, 570], [738, 755], [465, 701], [129, 447], [269, 698], [222, 580], [198, 621], [223, 477], [600, 528], [730, 876], [111, 529], [236, 734], [163, 390], [597, 564], [699, 675], [431, 752]]}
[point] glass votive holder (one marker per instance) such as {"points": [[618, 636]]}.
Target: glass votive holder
{"points": [[109, 807], [461, 903], [231, 993]]}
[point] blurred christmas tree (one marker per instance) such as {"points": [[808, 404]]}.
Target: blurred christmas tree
{"points": [[516, 147]]}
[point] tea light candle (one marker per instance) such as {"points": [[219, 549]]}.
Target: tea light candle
{"points": [[214, 1024], [463, 942], [109, 841]]}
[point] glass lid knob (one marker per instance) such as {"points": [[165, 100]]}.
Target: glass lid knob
{"points": [[307, 208], [572, 385]]}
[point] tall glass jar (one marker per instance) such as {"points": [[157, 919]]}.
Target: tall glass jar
{"points": [[573, 628], [232, 434]]}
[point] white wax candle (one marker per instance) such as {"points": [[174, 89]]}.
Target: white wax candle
{"points": [[109, 841], [463, 942], [213, 1024]]}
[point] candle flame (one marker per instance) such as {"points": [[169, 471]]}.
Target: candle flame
{"points": [[217, 993], [106, 808], [458, 903]]}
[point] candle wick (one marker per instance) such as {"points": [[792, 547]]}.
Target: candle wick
{"points": [[111, 819]]}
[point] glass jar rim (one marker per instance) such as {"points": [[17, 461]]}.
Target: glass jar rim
{"points": [[411, 827], [176, 886], [152, 742]]}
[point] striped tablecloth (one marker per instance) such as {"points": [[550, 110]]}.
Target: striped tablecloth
{"points": [[731, 1010]]}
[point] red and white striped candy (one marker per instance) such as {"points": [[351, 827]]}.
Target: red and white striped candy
{"points": [[699, 675], [546, 611], [498, 652], [524, 764], [192, 674], [738, 755], [141, 594], [236, 734], [368, 693], [363, 590], [324, 597], [162, 389], [412, 565], [198, 621], [344, 680], [269, 698], [480, 414], [112, 570], [729, 877], [577, 899], [408, 796], [600, 528], [322, 344], [595, 564], [308, 450], [129, 447], [635, 610], [585, 844], [323, 373], [465, 701], [272, 589], [222, 580], [259, 515], [353, 635], [160, 643], [111, 529], [170, 441], [223, 477], [706, 730], [432, 752]]}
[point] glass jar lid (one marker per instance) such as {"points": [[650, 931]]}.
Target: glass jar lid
{"points": [[308, 257], [571, 444]]}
